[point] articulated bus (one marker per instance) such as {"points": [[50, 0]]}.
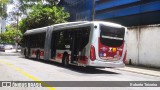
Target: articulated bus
{"points": [[82, 43]]}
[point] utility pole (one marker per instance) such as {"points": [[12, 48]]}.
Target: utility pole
{"points": [[93, 11]]}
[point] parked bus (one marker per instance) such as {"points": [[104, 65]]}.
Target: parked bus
{"points": [[83, 43]]}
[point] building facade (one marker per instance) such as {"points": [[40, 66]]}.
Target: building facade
{"points": [[79, 10], [128, 12], [125, 12], [2, 25]]}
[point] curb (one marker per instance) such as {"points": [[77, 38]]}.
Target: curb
{"points": [[138, 72]]}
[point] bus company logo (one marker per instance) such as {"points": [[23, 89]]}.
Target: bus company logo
{"points": [[104, 48], [110, 49], [6, 84]]}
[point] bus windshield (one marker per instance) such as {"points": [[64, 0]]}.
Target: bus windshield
{"points": [[111, 36]]}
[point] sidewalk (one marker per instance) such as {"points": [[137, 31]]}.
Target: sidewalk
{"points": [[141, 70], [10, 53]]}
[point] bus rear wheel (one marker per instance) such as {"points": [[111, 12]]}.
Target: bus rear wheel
{"points": [[65, 60]]}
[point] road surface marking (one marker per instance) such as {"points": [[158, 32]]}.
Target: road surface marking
{"points": [[26, 74]]}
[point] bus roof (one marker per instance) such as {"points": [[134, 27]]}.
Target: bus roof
{"points": [[70, 24], [81, 23], [108, 23], [86, 22], [37, 30]]}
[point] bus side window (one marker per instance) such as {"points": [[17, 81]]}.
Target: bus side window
{"points": [[41, 40], [53, 44], [59, 39], [67, 37], [28, 41], [30, 44]]}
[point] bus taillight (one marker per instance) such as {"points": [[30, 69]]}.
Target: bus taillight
{"points": [[92, 53]]}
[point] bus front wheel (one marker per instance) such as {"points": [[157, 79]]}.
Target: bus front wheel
{"points": [[25, 53], [38, 55]]}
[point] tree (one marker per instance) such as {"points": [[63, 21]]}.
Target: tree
{"points": [[26, 5], [43, 15], [11, 36], [3, 13]]}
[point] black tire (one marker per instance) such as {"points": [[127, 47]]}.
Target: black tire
{"points": [[38, 55], [65, 60], [25, 54]]}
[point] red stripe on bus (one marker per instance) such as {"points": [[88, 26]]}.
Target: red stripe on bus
{"points": [[41, 53], [83, 59], [59, 55], [33, 52]]}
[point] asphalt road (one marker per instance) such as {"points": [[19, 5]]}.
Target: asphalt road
{"points": [[17, 68]]}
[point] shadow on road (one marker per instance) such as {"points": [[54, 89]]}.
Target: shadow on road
{"points": [[86, 70]]}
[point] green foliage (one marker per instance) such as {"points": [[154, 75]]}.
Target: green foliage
{"points": [[43, 15], [26, 5], [11, 35], [3, 3]]}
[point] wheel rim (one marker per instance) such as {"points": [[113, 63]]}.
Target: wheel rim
{"points": [[66, 61]]}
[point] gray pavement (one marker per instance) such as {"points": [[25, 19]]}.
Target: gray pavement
{"points": [[129, 68], [17, 68], [11, 52]]}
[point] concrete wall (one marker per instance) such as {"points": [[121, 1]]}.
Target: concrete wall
{"points": [[144, 45]]}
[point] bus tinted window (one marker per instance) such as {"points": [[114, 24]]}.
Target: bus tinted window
{"points": [[83, 37], [63, 39], [35, 40], [111, 36]]}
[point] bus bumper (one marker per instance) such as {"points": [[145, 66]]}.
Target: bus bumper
{"points": [[113, 64]]}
